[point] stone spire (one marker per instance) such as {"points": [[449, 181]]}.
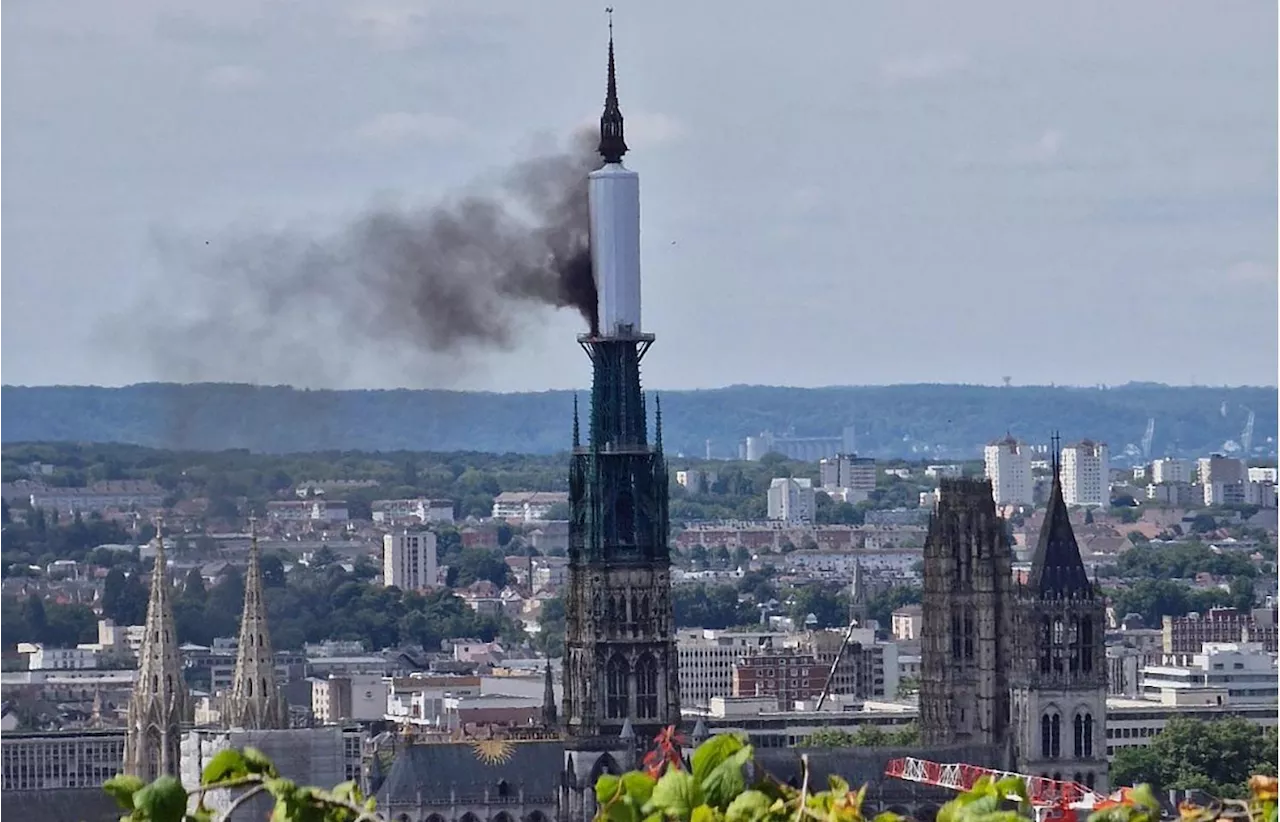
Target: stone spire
{"points": [[548, 700], [159, 706], [254, 703]]}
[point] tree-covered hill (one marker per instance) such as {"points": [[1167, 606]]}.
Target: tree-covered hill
{"points": [[946, 421]]}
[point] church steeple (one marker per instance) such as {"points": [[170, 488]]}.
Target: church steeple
{"points": [[549, 716], [159, 706], [612, 144], [254, 702], [1056, 568]]}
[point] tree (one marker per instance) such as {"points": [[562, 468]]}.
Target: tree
{"points": [[124, 599], [1217, 757], [709, 606], [741, 556], [826, 602], [476, 564], [273, 571], [550, 636]]}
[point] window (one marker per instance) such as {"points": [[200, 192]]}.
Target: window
{"points": [[1088, 736], [616, 688], [647, 688], [1086, 644], [1051, 735]]}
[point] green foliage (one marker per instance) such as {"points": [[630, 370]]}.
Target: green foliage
{"points": [[1155, 598], [30, 619], [865, 736], [1217, 757], [710, 606], [1181, 561]]}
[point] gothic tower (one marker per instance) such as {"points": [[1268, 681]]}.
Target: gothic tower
{"points": [[1059, 678], [158, 708], [620, 669], [965, 636], [254, 703]]}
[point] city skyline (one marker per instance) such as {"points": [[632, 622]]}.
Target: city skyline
{"points": [[892, 177]]}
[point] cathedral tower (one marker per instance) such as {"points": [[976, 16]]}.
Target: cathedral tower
{"points": [[158, 708], [965, 648], [620, 669], [255, 703], [1059, 678]]}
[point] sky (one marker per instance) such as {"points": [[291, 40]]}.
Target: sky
{"points": [[832, 193]]}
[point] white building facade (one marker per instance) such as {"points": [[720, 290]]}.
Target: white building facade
{"points": [[1170, 469], [791, 500], [848, 471], [1007, 463], [409, 560], [1086, 474]]}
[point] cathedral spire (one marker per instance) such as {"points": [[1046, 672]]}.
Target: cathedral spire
{"points": [[254, 702], [612, 144], [158, 706], [1056, 568], [548, 698]]}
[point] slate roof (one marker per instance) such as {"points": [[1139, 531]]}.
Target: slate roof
{"points": [[469, 769], [1056, 568]]}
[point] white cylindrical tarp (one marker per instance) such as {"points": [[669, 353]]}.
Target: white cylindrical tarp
{"points": [[614, 198]]}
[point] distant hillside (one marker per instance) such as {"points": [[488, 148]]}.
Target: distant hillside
{"points": [[946, 421]]}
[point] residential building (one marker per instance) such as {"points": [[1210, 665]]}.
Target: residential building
{"points": [[56, 760], [785, 675], [907, 622], [1183, 637], [848, 471], [119, 495], [1086, 474], [867, 669], [76, 659], [707, 658], [419, 700], [937, 472], [1171, 469], [1262, 475], [527, 506], [1261, 494], [1176, 494], [791, 499], [317, 511], [1226, 470], [1223, 673], [1007, 464], [409, 560], [350, 697], [400, 511]]}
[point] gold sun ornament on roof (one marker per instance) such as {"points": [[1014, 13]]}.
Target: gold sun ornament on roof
{"points": [[493, 751]]}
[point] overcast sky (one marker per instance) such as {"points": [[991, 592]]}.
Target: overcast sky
{"points": [[832, 193]]}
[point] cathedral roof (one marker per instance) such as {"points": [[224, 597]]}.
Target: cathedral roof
{"points": [[468, 770], [1056, 568]]}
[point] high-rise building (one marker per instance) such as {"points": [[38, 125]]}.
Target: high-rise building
{"points": [[409, 560], [1217, 468], [159, 706], [848, 471], [1007, 464], [1086, 474], [791, 499], [965, 635], [621, 681], [255, 702], [1059, 677], [1171, 469]]}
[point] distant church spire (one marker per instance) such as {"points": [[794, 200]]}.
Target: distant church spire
{"points": [[254, 702], [1056, 567], [158, 707], [549, 718], [612, 144]]}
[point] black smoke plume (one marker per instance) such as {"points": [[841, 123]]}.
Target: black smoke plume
{"points": [[456, 276]]}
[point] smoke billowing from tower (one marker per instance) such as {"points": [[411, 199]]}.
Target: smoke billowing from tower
{"points": [[457, 276]]}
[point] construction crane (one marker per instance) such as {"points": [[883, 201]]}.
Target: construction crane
{"points": [[1147, 438], [1246, 436], [1052, 800]]}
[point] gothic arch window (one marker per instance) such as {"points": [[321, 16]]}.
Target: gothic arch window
{"points": [[1077, 749], [1088, 780], [470, 817], [616, 674], [956, 638], [249, 686], [504, 790], [1073, 645], [264, 687], [1088, 736], [1051, 734], [536, 816], [503, 816], [1059, 635], [626, 518], [968, 634], [155, 683], [647, 687]]}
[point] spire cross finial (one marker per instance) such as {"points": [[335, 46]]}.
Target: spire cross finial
{"points": [[609, 11]]}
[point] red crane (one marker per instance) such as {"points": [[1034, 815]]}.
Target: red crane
{"points": [[1052, 799]]}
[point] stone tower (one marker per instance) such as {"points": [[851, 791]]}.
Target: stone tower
{"points": [[159, 707], [620, 668], [1059, 678], [255, 703], [965, 636]]}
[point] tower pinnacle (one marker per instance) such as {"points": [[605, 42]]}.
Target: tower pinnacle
{"points": [[158, 705], [612, 144], [254, 702]]}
